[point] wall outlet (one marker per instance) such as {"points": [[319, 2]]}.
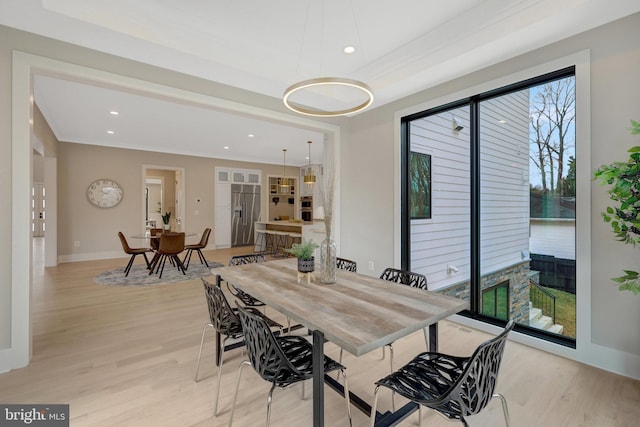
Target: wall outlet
{"points": [[371, 266], [76, 244]]}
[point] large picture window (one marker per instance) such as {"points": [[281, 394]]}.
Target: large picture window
{"points": [[502, 203]]}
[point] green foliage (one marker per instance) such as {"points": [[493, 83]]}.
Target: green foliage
{"points": [[304, 250], [166, 217], [624, 217], [420, 185]]}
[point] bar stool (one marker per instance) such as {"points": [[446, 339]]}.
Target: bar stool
{"points": [[292, 238], [280, 243], [270, 241], [261, 241]]}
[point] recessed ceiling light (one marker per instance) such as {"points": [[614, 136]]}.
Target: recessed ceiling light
{"points": [[349, 49], [110, 132], [502, 121], [251, 135], [113, 113], [226, 148]]}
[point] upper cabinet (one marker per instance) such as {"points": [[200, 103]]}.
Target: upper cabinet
{"points": [[223, 175], [275, 188], [245, 176]]}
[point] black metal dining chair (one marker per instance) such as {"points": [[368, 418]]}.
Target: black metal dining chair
{"points": [[224, 320], [282, 361], [455, 387], [409, 278], [404, 277], [246, 299], [346, 264]]}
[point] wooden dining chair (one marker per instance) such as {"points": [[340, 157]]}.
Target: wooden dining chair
{"points": [[171, 245], [154, 241], [204, 240], [134, 252]]}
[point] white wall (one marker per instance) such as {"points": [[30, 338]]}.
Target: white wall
{"points": [[606, 320]]}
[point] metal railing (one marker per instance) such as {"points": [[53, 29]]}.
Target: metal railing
{"points": [[542, 299]]}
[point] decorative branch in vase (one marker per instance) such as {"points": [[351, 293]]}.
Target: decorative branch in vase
{"points": [[328, 246]]}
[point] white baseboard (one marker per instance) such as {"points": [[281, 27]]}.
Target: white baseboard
{"points": [[92, 256]]}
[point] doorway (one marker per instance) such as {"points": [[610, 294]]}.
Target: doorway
{"points": [[37, 209], [163, 192], [153, 201]]}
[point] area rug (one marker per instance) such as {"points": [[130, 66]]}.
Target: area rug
{"points": [[139, 275]]}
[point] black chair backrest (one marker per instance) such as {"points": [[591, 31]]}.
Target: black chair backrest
{"points": [[346, 264], [264, 351], [223, 318], [409, 278], [246, 259], [475, 387]]}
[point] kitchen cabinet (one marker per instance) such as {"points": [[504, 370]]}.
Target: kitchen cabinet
{"points": [[274, 187]]}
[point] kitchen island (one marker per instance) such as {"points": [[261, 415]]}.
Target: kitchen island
{"points": [[277, 230]]}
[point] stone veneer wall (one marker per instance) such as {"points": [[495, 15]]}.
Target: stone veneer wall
{"points": [[518, 277]]}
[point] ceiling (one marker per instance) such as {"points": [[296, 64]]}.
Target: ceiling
{"points": [[402, 47]]}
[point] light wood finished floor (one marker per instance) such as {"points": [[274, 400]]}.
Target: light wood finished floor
{"points": [[125, 356]]}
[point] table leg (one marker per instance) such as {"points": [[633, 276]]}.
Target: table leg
{"points": [[433, 337], [318, 379]]}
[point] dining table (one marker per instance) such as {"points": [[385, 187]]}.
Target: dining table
{"points": [[359, 313]]}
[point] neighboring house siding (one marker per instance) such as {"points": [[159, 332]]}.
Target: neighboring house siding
{"points": [[504, 194], [444, 239], [555, 237]]}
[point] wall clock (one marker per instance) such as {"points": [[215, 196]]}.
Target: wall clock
{"points": [[104, 193]]}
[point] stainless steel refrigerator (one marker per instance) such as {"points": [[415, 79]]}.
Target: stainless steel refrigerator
{"points": [[245, 207]]}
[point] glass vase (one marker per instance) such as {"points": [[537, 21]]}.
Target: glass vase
{"points": [[328, 261]]}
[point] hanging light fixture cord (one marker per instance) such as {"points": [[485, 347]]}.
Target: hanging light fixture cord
{"points": [[309, 177]]}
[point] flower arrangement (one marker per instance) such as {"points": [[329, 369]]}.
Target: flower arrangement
{"points": [[326, 194], [328, 250]]}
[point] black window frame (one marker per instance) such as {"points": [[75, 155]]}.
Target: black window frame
{"points": [[473, 102]]}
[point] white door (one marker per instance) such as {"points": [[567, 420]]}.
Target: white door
{"points": [[223, 215], [37, 210]]}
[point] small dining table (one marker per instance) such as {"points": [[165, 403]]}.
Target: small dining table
{"points": [[358, 313]]}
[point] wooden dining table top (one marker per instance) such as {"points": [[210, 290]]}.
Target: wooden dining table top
{"points": [[358, 313]]}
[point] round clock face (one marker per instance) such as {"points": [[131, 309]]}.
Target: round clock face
{"points": [[104, 193]]}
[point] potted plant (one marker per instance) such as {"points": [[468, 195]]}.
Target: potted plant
{"points": [[304, 252], [624, 216], [166, 217]]}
